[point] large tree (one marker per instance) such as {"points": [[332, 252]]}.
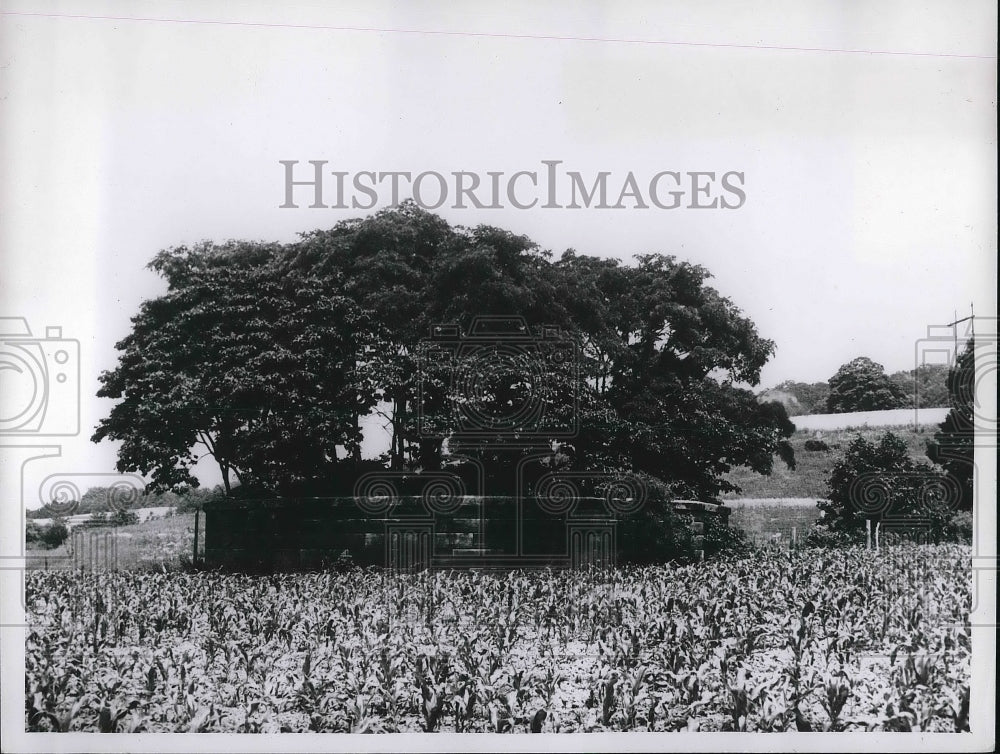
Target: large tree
{"points": [[243, 359], [662, 354], [862, 385], [268, 356]]}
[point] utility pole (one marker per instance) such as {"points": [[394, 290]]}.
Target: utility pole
{"points": [[971, 319]]}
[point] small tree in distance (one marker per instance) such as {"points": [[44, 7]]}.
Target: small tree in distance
{"points": [[862, 385]]}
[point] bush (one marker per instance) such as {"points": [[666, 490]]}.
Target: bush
{"points": [[959, 528], [124, 518], [121, 517], [724, 540], [46, 537], [823, 536], [816, 445], [876, 481], [657, 533]]}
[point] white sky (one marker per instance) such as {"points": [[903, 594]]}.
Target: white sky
{"points": [[870, 178]]}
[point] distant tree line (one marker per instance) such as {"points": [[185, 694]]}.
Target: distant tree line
{"points": [[862, 385], [97, 500]]}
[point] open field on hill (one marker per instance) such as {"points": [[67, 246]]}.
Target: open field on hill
{"points": [[897, 418], [812, 468], [801, 640]]}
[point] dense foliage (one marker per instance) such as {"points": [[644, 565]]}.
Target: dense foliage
{"points": [[924, 387], [878, 481], [953, 446], [267, 357], [862, 385], [807, 640], [48, 536]]}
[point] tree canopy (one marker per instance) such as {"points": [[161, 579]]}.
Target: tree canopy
{"points": [[878, 480], [268, 357], [953, 446], [862, 385]]}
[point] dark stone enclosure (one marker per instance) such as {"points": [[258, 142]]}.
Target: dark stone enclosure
{"points": [[414, 533]]}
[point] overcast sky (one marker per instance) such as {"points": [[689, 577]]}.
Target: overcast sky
{"points": [[865, 134]]}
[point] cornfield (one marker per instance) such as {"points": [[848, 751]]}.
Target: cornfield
{"points": [[845, 640]]}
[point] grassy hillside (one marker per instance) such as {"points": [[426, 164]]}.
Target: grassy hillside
{"points": [[812, 468], [154, 544]]}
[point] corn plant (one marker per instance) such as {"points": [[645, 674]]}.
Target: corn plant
{"points": [[774, 642]]}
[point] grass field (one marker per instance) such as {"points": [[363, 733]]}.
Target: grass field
{"points": [[812, 468], [154, 544]]}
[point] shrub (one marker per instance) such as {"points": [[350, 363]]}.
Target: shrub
{"points": [[657, 533], [824, 536], [120, 517], [32, 533], [344, 562], [124, 518], [47, 537], [816, 445], [959, 528], [877, 481], [724, 540]]}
